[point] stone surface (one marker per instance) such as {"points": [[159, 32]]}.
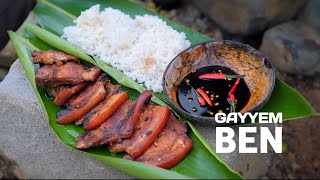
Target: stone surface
{"points": [[247, 16], [311, 14], [28, 139], [8, 168], [293, 47]]}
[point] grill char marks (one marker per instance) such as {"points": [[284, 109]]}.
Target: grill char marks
{"points": [[151, 122], [66, 74], [93, 120], [171, 146], [128, 129], [109, 131], [121, 125], [111, 90], [66, 92], [80, 105], [52, 57]]}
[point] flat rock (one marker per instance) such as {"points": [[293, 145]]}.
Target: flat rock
{"points": [[247, 16], [293, 47], [27, 138]]}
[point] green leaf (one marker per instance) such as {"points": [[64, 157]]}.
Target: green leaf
{"points": [[288, 101]]}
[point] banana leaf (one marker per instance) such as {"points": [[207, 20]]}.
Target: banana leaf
{"points": [[202, 162]]}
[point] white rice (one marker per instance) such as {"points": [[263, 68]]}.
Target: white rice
{"points": [[141, 47]]}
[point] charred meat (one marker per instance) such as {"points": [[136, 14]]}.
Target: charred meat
{"points": [[148, 133], [111, 90], [94, 119], [52, 57], [121, 125], [171, 146], [69, 73], [109, 131], [150, 124], [66, 91], [80, 105]]}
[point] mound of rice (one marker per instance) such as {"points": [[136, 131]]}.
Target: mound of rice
{"points": [[141, 47]]}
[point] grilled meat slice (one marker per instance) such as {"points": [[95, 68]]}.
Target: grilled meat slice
{"points": [[150, 124], [109, 130], [52, 92], [69, 73], [107, 108], [65, 92], [128, 129], [52, 57], [120, 125], [171, 146], [81, 104], [111, 90]]}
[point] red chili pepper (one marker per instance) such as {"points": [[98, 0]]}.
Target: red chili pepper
{"points": [[231, 97], [234, 86], [205, 96], [200, 99], [219, 76]]}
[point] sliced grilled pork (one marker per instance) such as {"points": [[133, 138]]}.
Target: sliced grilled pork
{"points": [[66, 91], [80, 105], [52, 57], [105, 110], [121, 125], [111, 90], [150, 124], [171, 146], [69, 73]]}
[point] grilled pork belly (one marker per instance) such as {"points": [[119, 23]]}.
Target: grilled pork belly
{"points": [[66, 91], [148, 133], [52, 57], [106, 109], [109, 131], [80, 105], [69, 73], [121, 125], [111, 90], [150, 124], [129, 128], [171, 146]]}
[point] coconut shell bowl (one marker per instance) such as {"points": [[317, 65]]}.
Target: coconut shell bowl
{"points": [[242, 59]]}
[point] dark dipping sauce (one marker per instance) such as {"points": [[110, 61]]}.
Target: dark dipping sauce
{"points": [[216, 89]]}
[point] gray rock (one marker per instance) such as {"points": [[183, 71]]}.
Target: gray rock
{"points": [[311, 14], [293, 47], [247, 16], [8, 168], [28, 139]]}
